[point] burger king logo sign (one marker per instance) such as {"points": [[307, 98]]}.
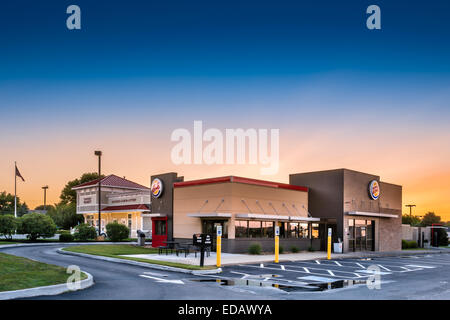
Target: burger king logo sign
{"points": [[374, 189], [157, 188]]}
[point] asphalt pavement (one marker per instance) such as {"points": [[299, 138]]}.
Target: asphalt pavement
{"points": [[421, 276]]}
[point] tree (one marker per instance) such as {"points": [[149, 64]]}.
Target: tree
{"points": [[42, 207], [411, 220], [7, 205], [8, 225], [36, 225], [429, 218], [70, 196], [65, 215]]}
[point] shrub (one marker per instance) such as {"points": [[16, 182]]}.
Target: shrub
{"points": [[36, 225], [66, 237], [404, 244], [311, 249], [255, 248], [280, 249], [117, 231], [8, 225], [412, 244], [294, 249], [85, 232], [409, 244]]}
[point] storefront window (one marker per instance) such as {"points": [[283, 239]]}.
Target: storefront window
{"points": [[303, 231], [210, 227], [241, 229], [315, 230], [254, 229], [267, 229], [293, 230]]}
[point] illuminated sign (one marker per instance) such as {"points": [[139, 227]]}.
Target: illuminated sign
{"points": [[374, 189], [157, 188]]}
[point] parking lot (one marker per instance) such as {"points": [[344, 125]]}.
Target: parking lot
{"points": [[326, 275]]}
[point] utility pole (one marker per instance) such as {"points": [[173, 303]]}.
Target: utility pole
{"points": [[410, 206], [45, 197]]}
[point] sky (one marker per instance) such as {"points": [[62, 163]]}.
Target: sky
{"points": [[341, 95]]}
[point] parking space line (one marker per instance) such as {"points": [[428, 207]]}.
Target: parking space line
{"points": [[360, 265], [298, 271], [340, 265], [384, 268], [331, 272]]}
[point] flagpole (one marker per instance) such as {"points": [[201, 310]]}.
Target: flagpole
{"points": [[15, 189]]}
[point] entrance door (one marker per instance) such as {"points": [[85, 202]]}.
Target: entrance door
{"points": [[159, 231], [361, 235]]}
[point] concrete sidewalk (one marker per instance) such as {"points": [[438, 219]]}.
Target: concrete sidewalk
{"points": [[232, 259]]}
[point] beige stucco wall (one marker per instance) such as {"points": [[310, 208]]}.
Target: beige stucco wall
{"points": [[227, 198], [121, 217]]}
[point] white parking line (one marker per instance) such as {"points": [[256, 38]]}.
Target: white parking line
{"points": [[298, 271], [306, 270], [340, 265], [417, 266], [331, 272], [384, 268], [317, 261], [360, 265]]}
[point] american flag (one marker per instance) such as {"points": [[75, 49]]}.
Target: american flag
{"points": [[19, 175]]}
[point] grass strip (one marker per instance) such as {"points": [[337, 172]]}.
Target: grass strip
{"points": [[117, 250]]}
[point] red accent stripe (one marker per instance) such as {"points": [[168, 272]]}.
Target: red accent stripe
{"points": [[239, 180]]}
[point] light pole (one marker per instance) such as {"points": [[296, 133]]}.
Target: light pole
{"points": [[410, 208], [99, 154], [45, 197]]}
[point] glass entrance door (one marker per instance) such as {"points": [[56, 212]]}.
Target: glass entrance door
{"points": [[210, 227], [361, 235]]}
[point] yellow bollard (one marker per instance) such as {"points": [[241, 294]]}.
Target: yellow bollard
{"points": [[329, 244], [277, 243], [219, 246]]}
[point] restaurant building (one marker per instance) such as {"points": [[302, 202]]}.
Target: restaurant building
{"points": [[122, 201], [363, 212]]}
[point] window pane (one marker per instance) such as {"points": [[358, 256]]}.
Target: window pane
{"points": [[241, 229], [315, 230], [303, 230], [267, 229], [293, 230], [254, 229]]}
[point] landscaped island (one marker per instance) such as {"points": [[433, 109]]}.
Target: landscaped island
{"points": [[18, 273]]}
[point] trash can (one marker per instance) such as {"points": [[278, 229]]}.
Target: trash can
{"points": [[337, 247], [141, 238]]}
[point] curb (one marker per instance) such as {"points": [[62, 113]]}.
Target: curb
{"points": [[141, 264], [5, 246], [47, 290]]}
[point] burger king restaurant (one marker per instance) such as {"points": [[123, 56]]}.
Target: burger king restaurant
{"points": [[363, 212]]}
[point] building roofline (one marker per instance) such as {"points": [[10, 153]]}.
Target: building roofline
{"points": [[94, 183], [243, 180]]}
